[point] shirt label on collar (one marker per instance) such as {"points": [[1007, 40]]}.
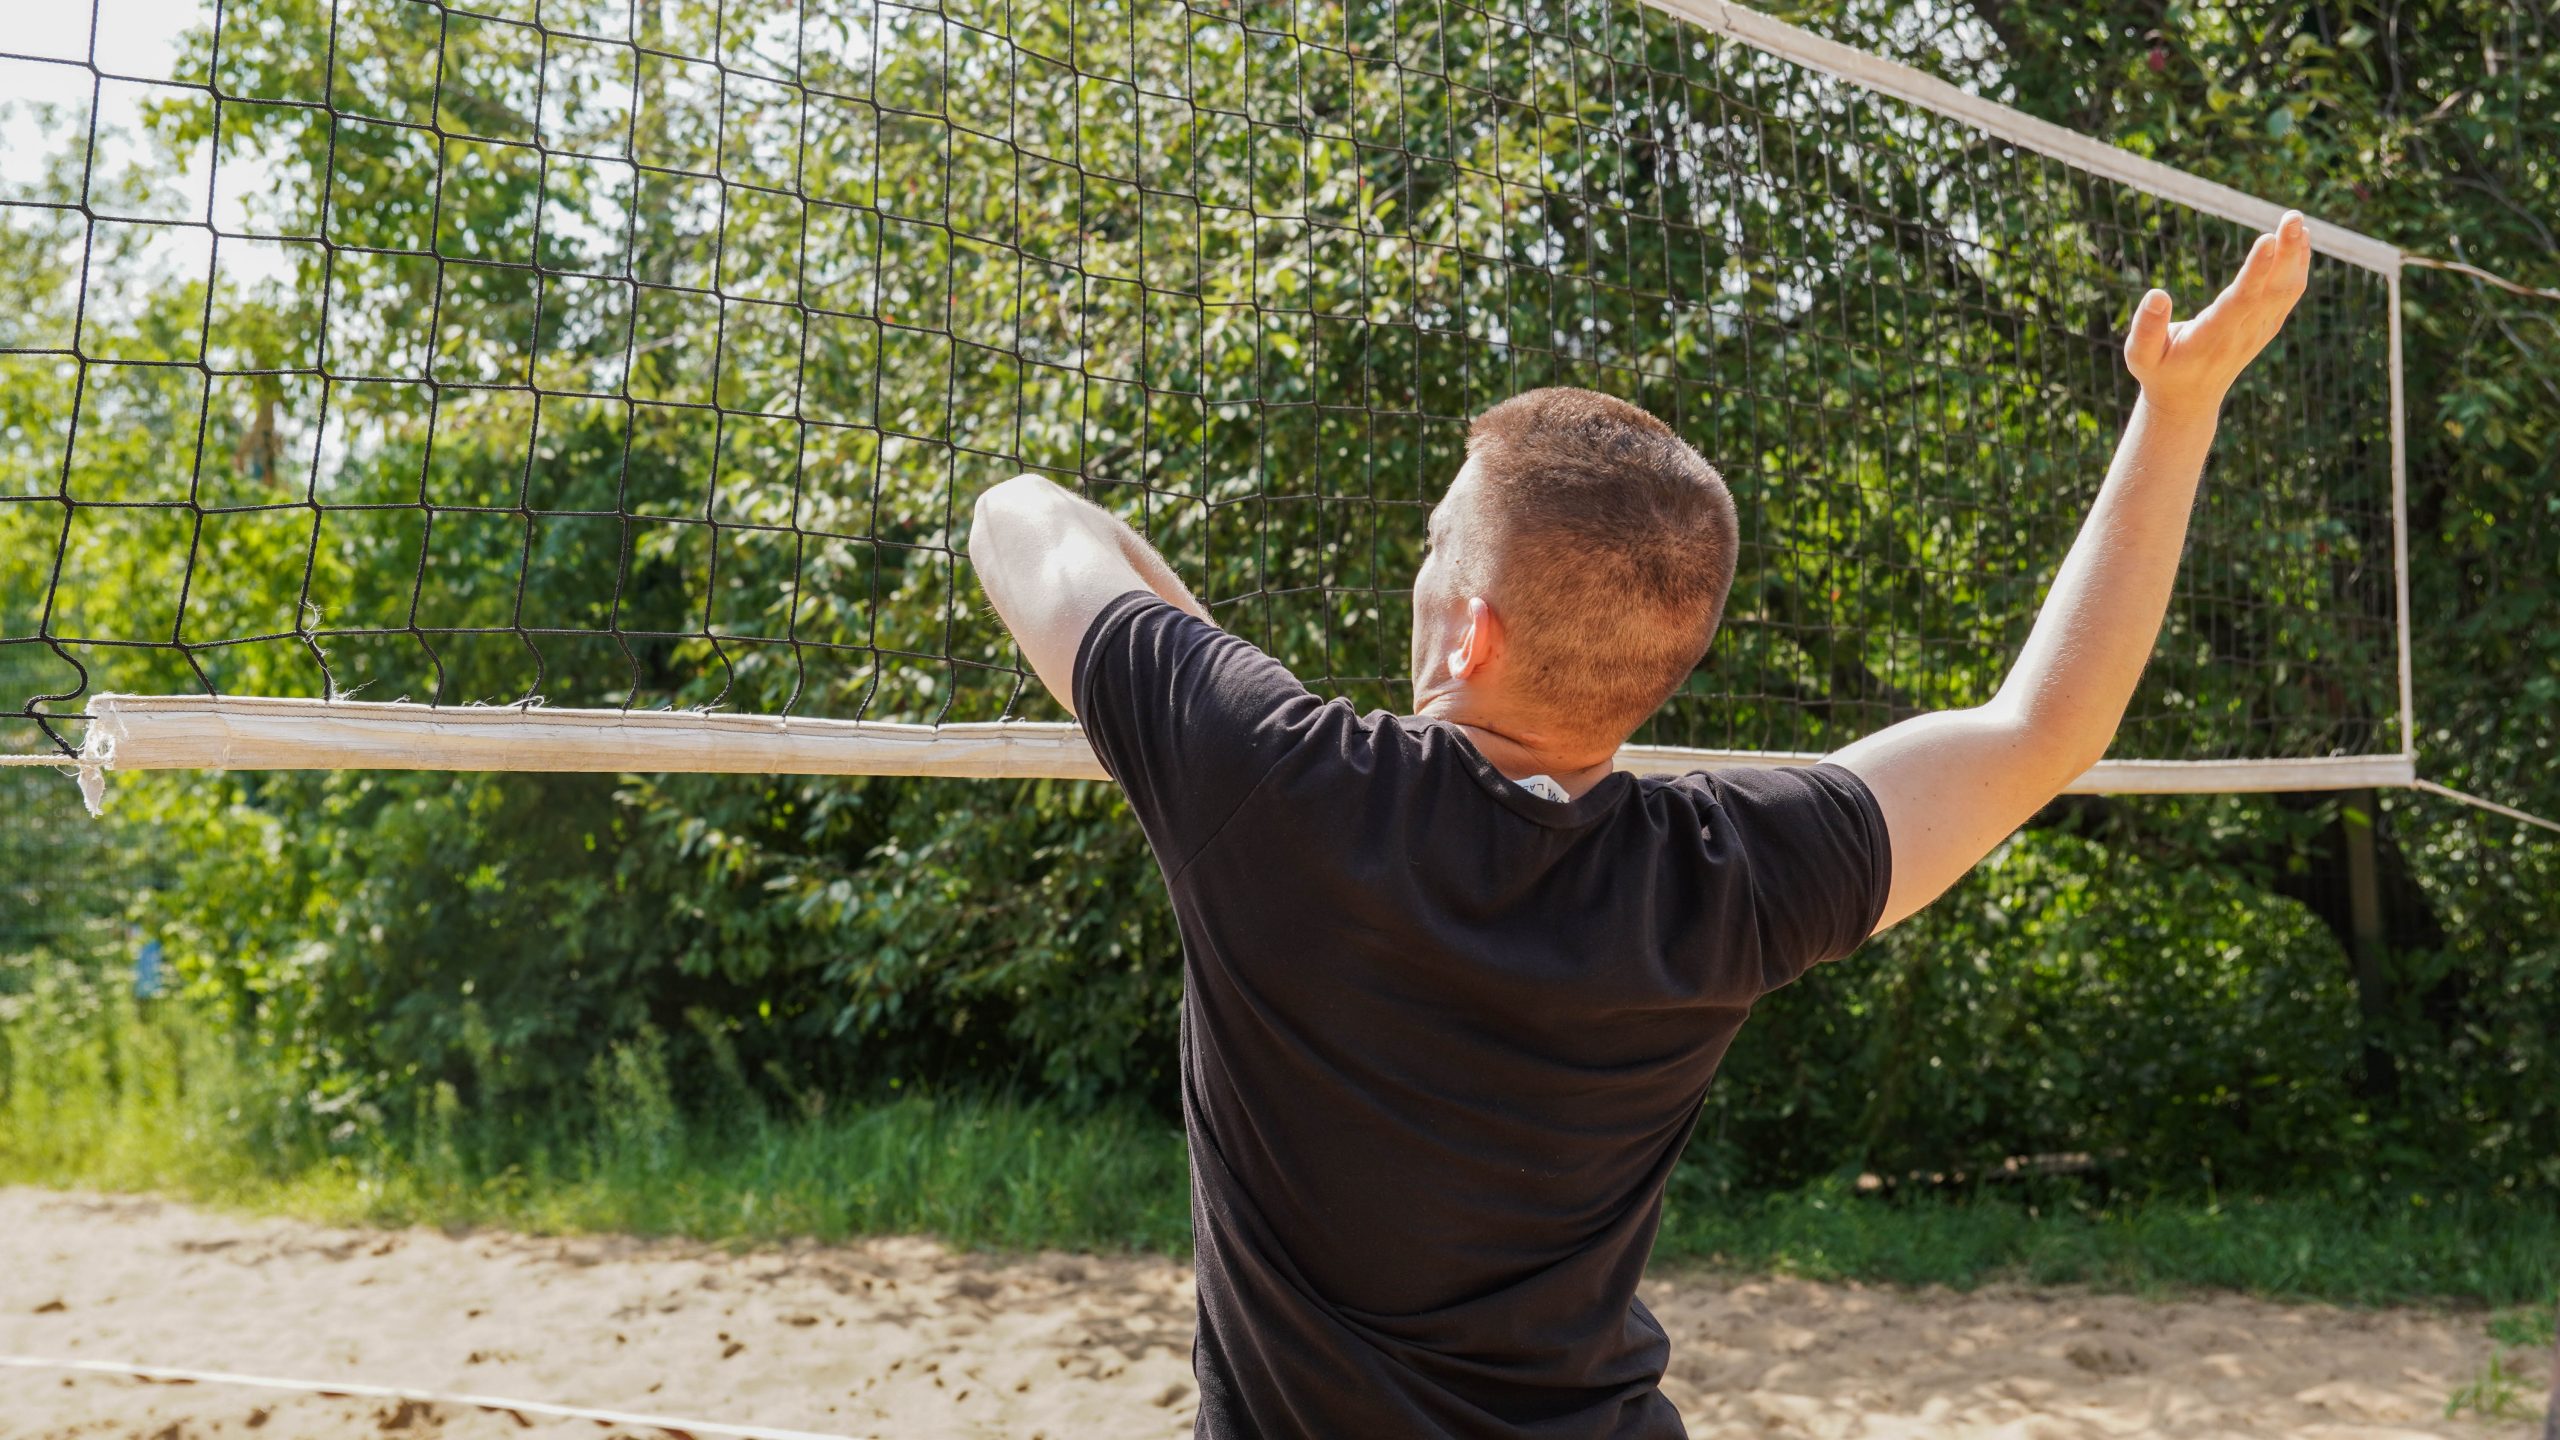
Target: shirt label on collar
{"points": [[1543, 787]]}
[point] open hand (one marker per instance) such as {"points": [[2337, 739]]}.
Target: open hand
{"points": [[2191, 363]]}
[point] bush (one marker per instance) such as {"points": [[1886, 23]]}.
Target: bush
{"points": [[2160, 986]]}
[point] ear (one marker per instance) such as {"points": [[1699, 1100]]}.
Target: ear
{"points": [[1479, 645]]}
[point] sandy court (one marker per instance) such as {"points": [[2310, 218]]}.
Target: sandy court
{"points": [[904, 1338]]}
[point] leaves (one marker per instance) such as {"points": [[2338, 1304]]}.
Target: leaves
{"points": [[1899, 350]]}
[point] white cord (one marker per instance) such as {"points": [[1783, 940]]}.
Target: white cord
{"points": [[2492, 806], [523, 1411]]}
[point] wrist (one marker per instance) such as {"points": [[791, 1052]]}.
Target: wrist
{"points": [[2183, 405]]}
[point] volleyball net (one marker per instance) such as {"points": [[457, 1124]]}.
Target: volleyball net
{"points": [[590, 386]]}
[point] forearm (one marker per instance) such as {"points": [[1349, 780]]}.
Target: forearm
{"points": [[1952, 784], [2101, 619]]}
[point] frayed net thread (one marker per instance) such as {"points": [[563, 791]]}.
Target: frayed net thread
{"points": [[88, 770]]}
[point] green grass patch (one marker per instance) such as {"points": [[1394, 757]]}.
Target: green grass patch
{"points": [[115, 1100], [100, 1095], [2349, 1251]]}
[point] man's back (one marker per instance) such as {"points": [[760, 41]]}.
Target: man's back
{"points": [[1443, 1039]]}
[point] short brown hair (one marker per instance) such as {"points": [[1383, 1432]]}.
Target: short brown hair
{"points": [[1611, 551]]}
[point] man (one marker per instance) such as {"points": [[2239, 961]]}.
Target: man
{"points": [[1453, 987]]}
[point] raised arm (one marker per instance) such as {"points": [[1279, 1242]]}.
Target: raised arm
{"points": [[1050, 560], [1956, 783]]}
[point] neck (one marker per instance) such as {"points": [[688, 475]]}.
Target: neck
{"points": [[1519, 752]]}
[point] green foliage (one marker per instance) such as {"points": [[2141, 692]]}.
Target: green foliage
{"points": [[2304, 1246], [97, 1092], [2160, 1018], [2434, 126], [2497, 1393], [459, 962], [2529, 1328], [60, 890], [837, 932]]}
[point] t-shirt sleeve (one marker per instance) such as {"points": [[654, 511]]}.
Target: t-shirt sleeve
{"points": [[1816, 861], [1186, 717]]}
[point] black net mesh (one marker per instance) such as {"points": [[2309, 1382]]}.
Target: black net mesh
{"points": [[645, 354]]}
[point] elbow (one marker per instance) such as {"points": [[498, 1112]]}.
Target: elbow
{"points": [[1019, 493], [2079, 739], [2058, 743], [993, 504], [993, 517], [2081, 761], [985, 518]]}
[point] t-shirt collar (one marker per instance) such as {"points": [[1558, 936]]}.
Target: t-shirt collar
{"points": [[1592, 804]]}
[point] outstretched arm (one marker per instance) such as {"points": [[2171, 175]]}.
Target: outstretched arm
{"points": [[1956, 783], [1050, 560]]}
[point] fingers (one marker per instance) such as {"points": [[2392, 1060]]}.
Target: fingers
{"points": [[2146, 344], [2280, 263], [2293, 234], [2271, 279], [2200, 358]]}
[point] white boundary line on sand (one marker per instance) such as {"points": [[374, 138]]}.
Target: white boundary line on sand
{"points": [[523, 1411]]}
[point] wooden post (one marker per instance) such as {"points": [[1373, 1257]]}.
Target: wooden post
{"points": [[2370, 943], [2364, 889]]}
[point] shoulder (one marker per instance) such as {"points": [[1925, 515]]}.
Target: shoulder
{"points": [[1770, 802], [1750, 785], [1794, 864], [1140, 648], [1191, 709], [1138, 621]]}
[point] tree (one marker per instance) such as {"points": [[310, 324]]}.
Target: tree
{"points": [[651, 355]]}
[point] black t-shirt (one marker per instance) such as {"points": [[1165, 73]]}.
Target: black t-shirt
{"points": [[1442, 1040]]}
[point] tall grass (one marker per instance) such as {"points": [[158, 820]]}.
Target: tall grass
{"points": [[96, 1092], [2344, 1250], [116, 1099]]}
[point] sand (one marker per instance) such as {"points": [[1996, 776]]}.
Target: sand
{"points": [[902, 1337]]}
